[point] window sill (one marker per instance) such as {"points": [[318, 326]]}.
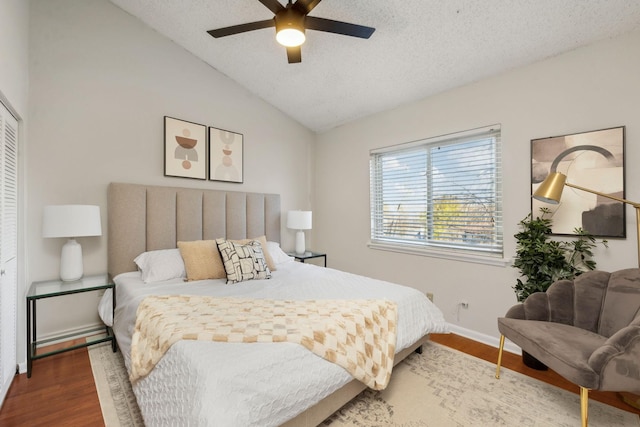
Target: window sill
{"points": [[442, 254]]}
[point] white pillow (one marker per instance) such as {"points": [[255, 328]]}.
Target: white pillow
{"points": [[160, 265], [277, 253]]}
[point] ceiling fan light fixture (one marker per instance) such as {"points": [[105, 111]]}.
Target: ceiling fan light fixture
{"points": [[291, 22], [290, 37], [290, 28]]}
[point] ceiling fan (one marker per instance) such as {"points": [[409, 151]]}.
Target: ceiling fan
{"points": [[291, 21]]}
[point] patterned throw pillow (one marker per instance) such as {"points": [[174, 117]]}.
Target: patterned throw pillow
{"points": [[243, 262], [265, 249]]}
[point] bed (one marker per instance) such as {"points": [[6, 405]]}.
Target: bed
{"points": [[236, 384]]}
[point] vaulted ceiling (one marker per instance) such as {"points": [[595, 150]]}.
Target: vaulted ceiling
{"points": [[419, 48]]}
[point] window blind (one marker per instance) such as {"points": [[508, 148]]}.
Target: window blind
{"points": [[440, 192]]}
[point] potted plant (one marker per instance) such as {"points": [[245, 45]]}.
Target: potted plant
{"points": [[542, 261]]}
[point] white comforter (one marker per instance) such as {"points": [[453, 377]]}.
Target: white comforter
{"points": [[259, 384]]}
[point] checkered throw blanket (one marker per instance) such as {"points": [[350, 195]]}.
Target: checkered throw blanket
{"points": [[359, 335]]}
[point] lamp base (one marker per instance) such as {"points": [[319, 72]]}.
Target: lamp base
{"points": [[71, 261], [300, 249]]}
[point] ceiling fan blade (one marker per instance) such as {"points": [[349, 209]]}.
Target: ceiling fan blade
{"points": [[305, 6], [242, 28], [273, 5], [294, 54], [338, 27]]}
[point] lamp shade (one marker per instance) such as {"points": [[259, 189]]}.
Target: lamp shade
{"points": [[299, 220], [551, 188], [71, 221]]}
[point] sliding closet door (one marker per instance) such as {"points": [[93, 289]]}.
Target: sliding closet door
{"points": [[8, 247]]}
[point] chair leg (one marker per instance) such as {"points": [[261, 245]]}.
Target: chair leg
{"points": [[500, 356], [584, 406]]}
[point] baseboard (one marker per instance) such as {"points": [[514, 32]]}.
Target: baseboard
{"points": [[485, 339]]}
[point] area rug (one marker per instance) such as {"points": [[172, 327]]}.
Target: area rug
{"points": [[117, 401], [441, 387]]}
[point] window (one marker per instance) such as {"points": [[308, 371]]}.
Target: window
{"points": [[441, 193]]}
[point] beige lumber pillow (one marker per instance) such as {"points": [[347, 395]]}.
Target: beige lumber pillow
{"points": [[202, 260]]}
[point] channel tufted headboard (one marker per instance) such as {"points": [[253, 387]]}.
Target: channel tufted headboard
{"points": [[145, 217]]}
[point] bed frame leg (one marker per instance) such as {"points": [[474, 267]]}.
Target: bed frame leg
{"points": [[418, 350], [500, 356]]}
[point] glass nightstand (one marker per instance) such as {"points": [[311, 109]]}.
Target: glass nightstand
{"points": [[57, 288], [308, 255]]}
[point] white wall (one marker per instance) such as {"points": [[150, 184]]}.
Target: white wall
{"points": [[590, 88], [14, 82], [100, 84], [14, 40]]}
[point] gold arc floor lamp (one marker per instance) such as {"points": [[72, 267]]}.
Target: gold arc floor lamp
{"points": [[551, 188], [550, 191]]}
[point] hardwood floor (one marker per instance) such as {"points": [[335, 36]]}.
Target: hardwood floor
{"points": [[61, 390]]}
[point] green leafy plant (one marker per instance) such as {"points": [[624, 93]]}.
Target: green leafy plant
{"points": [[542, 261]]}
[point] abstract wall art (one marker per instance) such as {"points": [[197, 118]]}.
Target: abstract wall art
{"points": [[593, 160], [225, 155], [185, 149]]}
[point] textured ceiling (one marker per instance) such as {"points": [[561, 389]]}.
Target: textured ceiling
{"points": [[419, 48]]}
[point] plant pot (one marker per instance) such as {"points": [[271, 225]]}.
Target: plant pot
{"points": [[532, 362]]}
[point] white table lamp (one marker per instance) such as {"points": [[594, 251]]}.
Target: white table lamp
{"points": [[71, 221], [299, 220]]}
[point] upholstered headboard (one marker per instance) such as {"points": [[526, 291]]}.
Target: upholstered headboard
{"points": [[145, 217]]}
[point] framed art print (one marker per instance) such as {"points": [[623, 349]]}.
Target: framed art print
{"points": [[225, 155], [593, 160], [185, 149]]}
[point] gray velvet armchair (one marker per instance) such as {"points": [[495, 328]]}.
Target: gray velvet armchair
{"points": [[586, 329]]}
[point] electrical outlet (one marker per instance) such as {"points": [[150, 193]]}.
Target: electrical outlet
{"points": [[464, 304], [430, 296]]}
